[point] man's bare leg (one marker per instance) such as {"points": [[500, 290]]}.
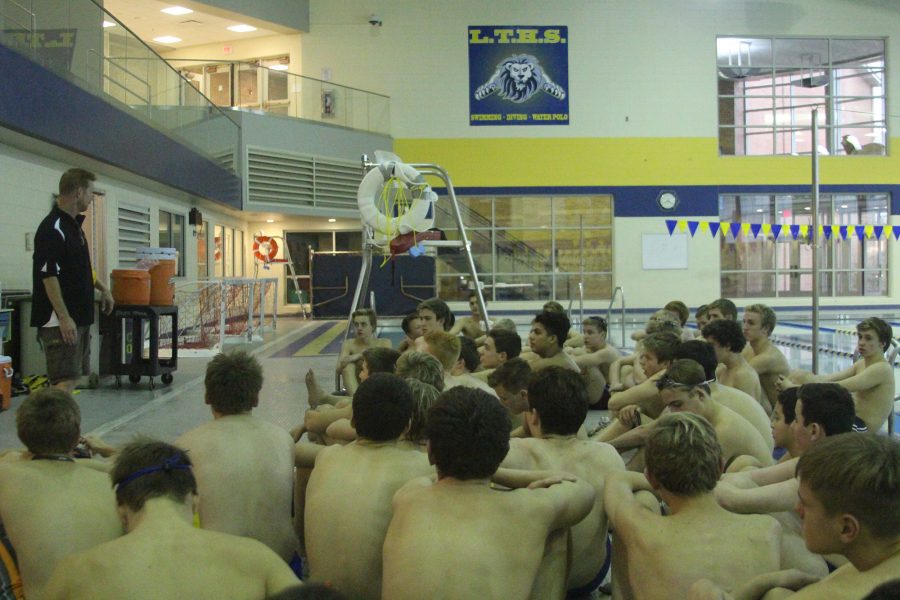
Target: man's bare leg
{"points": [[301, 479]]}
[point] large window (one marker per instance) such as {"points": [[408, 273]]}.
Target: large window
{"points": [[761, 267], [769, 86], [171, 235], [530, 248]]}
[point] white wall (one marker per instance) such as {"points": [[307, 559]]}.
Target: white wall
{"points": [[260, 47], [652, 61]]}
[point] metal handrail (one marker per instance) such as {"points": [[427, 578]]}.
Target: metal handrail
{"points": [[617, 291]]}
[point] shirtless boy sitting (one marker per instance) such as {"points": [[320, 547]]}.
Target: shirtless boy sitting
{"points": [[734, 371], [510, 383], [364, 323], [657, 351], [500, 345], [429, 550], [472, 326], [684, 388], [594, 362], [849, 498], [548, 333], [244, 465], [348, 498], [50, 504], [765, 358], [684, 461], [434, 315], [412, 330], [870, 379], [723, 308], [558, 406], [822, 410], [162, 554], [445, 347], [733, 398]]}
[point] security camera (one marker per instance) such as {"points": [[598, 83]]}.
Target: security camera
{"points": [[374, 21]]}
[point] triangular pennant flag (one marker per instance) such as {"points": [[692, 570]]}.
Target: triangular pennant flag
{"points": [[821, 230], [735, 229], [692, 227], [878, 230], [714, 228], [766, 229], [827, 231], [896, 232], [755, 227], [704, 225], [860, 232], [804, 231], [843, 231], [835, 230], [868, 229], [745, 228], [682, 226], [670, 224], [776, 231], [795, 230]]}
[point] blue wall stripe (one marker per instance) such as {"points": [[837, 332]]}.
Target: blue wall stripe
{"points": [[693, 200]]}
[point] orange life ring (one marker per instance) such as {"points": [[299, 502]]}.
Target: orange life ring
{"points": [[269, 248]]}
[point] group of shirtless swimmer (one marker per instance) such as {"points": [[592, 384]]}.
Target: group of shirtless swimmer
{"points": [[460, 466]]}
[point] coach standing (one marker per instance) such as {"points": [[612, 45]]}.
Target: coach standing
{"points": [[63, 283]]}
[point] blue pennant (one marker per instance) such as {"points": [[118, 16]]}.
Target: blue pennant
{"points": [[776, 231], [860, 232], [735, 229], [878, 230], [826, 231], [714, 227], [692, 227], [755, 228], [795, 231], [671, 224]]}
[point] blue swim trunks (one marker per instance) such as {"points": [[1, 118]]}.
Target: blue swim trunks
{"points": [[586, 589]]}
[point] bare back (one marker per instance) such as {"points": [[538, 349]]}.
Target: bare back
{"points": [[848, 582], [348, 509], [589, 460], [770, 364], [744, 405], [245, 471], [180, 562], [666, 555], [738, 437], [429, 550], [52, 509], [743, 377]]}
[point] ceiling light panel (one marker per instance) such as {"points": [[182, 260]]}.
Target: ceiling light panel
{"points": [[177, 11], [167, 39], [242, 28]]}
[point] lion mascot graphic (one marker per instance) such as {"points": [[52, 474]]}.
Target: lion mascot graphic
{"points": [[517, 79]]}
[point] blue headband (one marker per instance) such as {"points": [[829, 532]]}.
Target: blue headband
{"points": [[172, 464]]}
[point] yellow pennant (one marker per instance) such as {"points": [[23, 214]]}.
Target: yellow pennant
{"points": [[804, 231], [870, 231], [745, 228], [682, 226], [767, 229], [835, 231], [704, 225]]}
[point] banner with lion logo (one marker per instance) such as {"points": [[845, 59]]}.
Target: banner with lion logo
{"points": [[518, 75]]}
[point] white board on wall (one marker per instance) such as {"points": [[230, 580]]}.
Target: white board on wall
{"points": [[661, 251]]}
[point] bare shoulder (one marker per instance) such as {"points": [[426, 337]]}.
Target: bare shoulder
{"points": [[384, 342], [411, 489]]}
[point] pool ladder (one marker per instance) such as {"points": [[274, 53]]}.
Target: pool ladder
{"points": [[617, 292]]}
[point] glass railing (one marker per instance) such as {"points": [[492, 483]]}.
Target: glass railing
{"points": [[80, 41], [251, 86]]}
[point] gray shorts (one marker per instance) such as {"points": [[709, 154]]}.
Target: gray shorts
{"points": [[65, 361]]}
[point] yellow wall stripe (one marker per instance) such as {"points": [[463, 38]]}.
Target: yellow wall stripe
{"points": [[510, 162]]}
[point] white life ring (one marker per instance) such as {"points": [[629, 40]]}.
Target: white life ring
{"points": [[418, 217]]}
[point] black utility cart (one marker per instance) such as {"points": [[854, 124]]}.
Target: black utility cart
{"points": [[131, 343]]}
